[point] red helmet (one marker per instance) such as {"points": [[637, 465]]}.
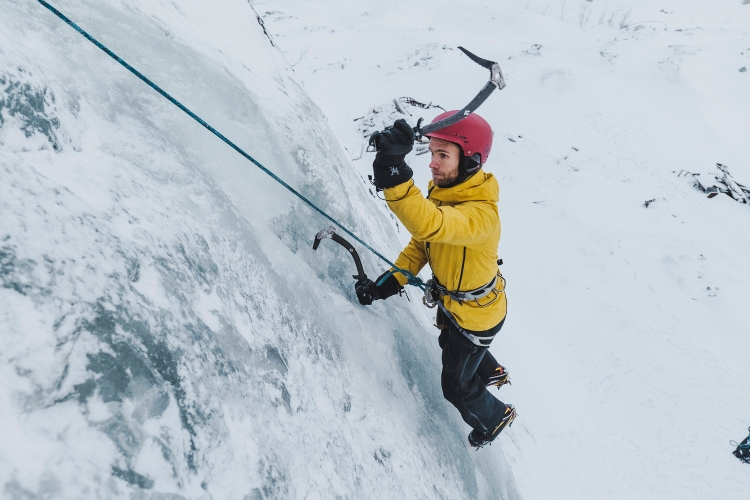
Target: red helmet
{"points": [[472, 134]]}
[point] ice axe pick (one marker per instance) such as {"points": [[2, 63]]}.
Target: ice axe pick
{"points": [[496, 81], [330, 232]]}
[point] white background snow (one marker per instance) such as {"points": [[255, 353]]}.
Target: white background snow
{"points": [[165, 327]]}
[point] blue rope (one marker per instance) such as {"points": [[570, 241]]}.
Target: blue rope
{"points": [[412, 280]]}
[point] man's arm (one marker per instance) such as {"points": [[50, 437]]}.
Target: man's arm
{"points": [[412, 258], [465, 224]]}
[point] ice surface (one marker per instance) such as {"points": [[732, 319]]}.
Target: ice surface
{"points": [[166, 329]]}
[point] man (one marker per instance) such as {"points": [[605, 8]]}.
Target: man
{"points": [[456, 230]]}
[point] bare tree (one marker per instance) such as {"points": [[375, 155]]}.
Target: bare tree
{"points": [[624, 18], [611, 21], [584, 12], [563, 4], [603, 16]]}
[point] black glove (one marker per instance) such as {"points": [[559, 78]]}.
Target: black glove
{"points": [[367, 290], [392, 145]]}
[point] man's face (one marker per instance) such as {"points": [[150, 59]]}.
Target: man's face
{"points": [[444, 163]]}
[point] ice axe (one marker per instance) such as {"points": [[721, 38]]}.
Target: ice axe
{"points": [[496, 81], [330, 232]]}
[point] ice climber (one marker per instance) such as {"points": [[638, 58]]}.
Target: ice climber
{"points": [[456, 230]]}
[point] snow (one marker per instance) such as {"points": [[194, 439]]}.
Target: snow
{"points": [[167, 329]]}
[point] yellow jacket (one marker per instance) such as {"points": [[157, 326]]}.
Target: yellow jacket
{"points": [[456, 230]]}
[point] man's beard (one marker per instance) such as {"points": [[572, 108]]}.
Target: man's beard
{"points": [[445, 181]]}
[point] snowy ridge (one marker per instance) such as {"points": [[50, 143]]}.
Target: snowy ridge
{"points": [[166, 327]]}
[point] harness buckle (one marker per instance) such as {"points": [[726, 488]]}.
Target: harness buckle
{"points": [[496, 291], [431, 294]]}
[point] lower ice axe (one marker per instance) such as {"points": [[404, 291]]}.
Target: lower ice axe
{"points": [[330, 232]]}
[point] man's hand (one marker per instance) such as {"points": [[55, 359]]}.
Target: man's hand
{"points": [[392, 145], [367, 291], [396, 140]]}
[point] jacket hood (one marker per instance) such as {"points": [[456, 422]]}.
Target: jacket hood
{"points": [[481, 186]]}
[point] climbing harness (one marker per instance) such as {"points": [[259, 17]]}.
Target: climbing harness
{"points": [[434, 292], [743, 449], [481, 341]]}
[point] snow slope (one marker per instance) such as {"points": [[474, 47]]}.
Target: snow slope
{"points": [[165, 329], [627, 340]]}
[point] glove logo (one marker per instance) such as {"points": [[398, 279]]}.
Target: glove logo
{"points": [[394, 170]]}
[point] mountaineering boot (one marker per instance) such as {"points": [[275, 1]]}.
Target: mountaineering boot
{"points": [[499, 378], [478, 439], [743, 449]]}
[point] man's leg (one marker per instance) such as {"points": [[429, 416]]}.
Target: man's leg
{"points": [[463, 387], [488, 366]]}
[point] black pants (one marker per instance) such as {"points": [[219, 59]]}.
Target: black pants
{"points": [[465, 368]]}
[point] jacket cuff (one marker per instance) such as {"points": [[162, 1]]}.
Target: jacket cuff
{"points": [[398, 192], [388, 177], [402, 280], [390, 286]]}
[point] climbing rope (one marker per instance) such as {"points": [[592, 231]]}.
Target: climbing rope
{"points": [[412, 280]]}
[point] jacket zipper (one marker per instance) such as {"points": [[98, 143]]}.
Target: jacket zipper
{"points": [[427, 243], [461, 276]]}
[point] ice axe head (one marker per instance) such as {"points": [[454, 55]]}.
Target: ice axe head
{"points": [[323, 234], [496, 74], [330, 232], [496, 81]]}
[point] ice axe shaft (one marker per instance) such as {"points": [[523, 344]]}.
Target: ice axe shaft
{"points": [[330, 232], [496, 81]]}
